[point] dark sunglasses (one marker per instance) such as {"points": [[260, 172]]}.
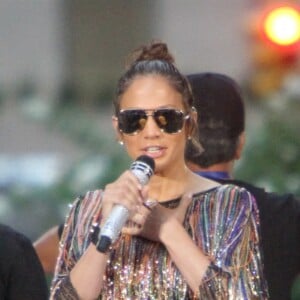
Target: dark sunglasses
{"points": [[169, 120]]}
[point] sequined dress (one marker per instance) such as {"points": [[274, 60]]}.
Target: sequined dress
{"points": [[222, 221]]}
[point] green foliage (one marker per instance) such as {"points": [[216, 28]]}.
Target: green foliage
{"points": [[295, 294], [102, 161], [272, 155]]}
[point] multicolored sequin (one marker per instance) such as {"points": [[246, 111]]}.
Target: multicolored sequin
{"points": [[222, 221]]}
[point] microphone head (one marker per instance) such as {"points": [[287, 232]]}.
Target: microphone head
{"points": [[143, 168], [147, 160]]}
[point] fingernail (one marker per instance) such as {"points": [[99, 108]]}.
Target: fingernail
{"points": [[150, 203]]}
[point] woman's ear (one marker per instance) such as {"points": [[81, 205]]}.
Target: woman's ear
{"points": [[192, 121], [194, 114], [240, 145]]}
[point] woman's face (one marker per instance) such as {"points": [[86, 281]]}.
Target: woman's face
{"points": [[149, 93]]}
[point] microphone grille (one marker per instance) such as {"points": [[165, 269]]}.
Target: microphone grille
{"points": [[147, 160], [143, 168]]}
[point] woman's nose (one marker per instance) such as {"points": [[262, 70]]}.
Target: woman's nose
{"points": [[151, 128]]}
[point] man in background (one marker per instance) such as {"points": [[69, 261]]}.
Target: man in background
{"points": [[221, 120], [21, 274]]}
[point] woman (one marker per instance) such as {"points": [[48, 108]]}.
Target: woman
{"points": [[200, 240]]}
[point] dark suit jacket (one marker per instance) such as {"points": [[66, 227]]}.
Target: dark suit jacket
{"points": [[21, 274]]}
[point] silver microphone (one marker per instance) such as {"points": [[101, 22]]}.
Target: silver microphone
{"points": [[143, 169]]}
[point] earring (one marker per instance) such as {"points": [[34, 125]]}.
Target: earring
{"points": [[121, 142]]}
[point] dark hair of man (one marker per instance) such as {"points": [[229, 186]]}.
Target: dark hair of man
{"points": [[221, 118]]}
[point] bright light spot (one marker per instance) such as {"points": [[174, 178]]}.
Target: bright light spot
{"points": [[282, 26]]}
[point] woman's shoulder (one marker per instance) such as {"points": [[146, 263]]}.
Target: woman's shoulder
{"points": [[87, 199], [82, 212], [239, 192], [223, 188], [202, 185], [85, 205], [227, 194], [227, 200], [232, 187]]}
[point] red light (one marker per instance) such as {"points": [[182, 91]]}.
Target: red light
{"points": [[281, 26]]}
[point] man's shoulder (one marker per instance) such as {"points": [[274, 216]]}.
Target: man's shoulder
{"points": [[13, 245], [14, 241], [9, 234]]}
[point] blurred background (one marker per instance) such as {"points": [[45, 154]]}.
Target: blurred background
{"points": [[59, 63]]}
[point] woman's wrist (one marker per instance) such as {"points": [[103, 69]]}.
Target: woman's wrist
{"points": [[168, 229], [102, 243], [99, 241]]}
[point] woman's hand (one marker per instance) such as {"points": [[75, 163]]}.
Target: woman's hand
{"points": [[125, 191], [150, 223]]}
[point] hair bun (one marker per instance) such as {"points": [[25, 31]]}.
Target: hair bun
{"points": [[154, 51]]}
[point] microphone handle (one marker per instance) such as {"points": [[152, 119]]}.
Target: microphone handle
{"points": [[142, 168], [115, 222]]}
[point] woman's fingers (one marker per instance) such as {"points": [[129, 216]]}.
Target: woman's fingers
{"points": [[148, 219], [132, 227], [136, 223], [150, 203], [126, 191]]}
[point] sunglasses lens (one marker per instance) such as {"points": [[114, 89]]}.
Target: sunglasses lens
{"points": [[131, 121], [169, 120]]}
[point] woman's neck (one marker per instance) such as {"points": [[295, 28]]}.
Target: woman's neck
{"points": [[163, 188]]}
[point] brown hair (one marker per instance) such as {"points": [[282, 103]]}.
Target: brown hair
{"points": [[155, 58], [155, 50]]}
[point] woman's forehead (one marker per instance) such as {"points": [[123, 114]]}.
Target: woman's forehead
{"points": [[151, 91]]}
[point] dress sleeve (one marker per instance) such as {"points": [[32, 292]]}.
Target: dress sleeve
{"points": [[74, 241], [66, 291], [230, 237]]}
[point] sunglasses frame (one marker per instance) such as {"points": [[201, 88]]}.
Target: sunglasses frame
{"points": [[151, 112]]}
